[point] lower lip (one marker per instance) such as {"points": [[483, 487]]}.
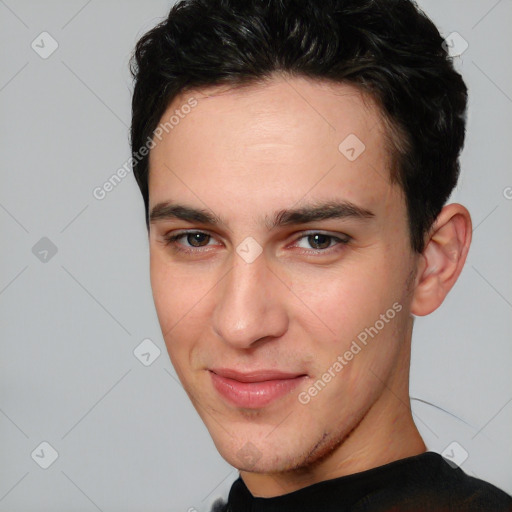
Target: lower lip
{"points": [[254, 395]]}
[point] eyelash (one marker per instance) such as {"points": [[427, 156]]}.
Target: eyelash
{"points": [[171, 240]]}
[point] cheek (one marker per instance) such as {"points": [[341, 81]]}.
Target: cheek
{"points": [[174, 293], [346, 298], [162, 289], [183, 306]]}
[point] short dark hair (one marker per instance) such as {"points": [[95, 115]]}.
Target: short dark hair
{"points": [[387, 48]]}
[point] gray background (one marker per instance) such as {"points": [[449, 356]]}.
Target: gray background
{"points": [[126, 436]]}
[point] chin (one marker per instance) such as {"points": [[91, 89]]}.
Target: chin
{"points": [[261, 455], [253, 461], [256, 456]]}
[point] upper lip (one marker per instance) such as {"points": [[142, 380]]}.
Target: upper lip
{"points": [[256, 375]]}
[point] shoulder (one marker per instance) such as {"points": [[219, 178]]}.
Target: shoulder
{"points": [[472, 494], [430, 484], [220, 505]]}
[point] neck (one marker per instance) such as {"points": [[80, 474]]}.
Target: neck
{"points": [[387, 433]]}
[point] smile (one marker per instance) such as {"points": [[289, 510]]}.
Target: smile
{"points": [[254, 390]]}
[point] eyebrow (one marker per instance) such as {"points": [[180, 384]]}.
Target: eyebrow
{"points": [[303, 215]]}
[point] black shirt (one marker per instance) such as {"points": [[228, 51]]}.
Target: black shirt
{"points": [[423, 483]]}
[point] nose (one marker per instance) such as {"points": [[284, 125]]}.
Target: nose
{"points": [[249, 304]]}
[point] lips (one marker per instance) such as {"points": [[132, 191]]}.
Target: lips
{"points": [[255, 389]]}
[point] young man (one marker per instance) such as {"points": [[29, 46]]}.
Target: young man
{"points": [[295, 158]]}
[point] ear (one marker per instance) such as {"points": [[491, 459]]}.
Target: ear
{"points": [[442, 260]]}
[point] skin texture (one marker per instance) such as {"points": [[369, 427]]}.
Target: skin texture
{"points": [[242, 155]]}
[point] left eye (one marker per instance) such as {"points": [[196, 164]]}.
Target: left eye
{"points": [[320, 241]]}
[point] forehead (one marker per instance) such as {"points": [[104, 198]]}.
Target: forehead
{"points": [[281, 109], [297, 134]]}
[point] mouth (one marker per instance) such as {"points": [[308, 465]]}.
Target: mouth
{"points": [[254, 390]]}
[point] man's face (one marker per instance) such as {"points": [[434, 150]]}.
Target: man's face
{"points": [[258, 306]]}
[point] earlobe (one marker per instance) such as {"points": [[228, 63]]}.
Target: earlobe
{"points": [[442, 259]]}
